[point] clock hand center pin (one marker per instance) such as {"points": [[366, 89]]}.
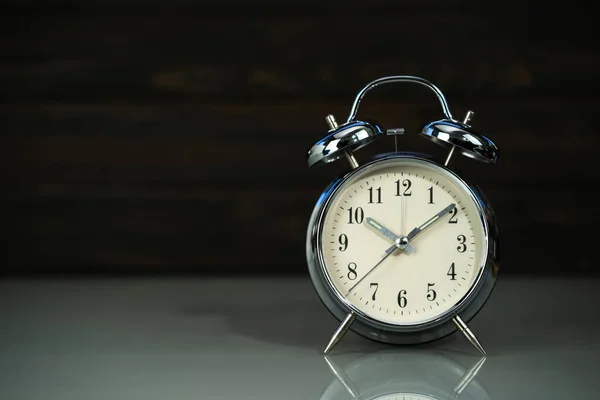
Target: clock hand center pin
{"points": [[400, 241]]}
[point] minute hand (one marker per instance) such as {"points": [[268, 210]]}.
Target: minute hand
{"points": [[430, 221]]}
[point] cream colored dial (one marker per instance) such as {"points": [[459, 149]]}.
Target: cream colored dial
{"points": [[422, 278]]}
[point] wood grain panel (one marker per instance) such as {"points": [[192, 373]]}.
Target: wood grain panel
{"points": [[341, 7], [188, 146], [187, 56], [172, 136]]}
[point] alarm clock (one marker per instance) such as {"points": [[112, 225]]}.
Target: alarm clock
{"points": [[405, 375], [402, 249]]}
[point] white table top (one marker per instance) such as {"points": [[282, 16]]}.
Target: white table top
{"points": [[261, 338]]}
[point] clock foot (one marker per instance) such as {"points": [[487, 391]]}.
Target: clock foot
{"points": [[468, 334], [339, 332], [468, 377], [342, 378]]}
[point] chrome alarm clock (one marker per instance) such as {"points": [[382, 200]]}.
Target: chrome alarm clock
{"points": [[402, 249]]}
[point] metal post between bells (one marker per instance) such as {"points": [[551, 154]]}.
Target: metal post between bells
{"points": [[466, 121], [348, 153]]}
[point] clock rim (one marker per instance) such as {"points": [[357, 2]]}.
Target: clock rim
{"points": [[467, 307]]}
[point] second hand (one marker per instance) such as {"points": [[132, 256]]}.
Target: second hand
{"points": [[388, 252], [403, 215]]}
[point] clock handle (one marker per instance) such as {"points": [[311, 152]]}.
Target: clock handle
{"points": [[399, 78]]}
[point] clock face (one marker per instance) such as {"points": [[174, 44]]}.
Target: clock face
{"points": [[402, 241]]}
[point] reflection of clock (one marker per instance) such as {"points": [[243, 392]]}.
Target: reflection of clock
{"points": [[406, 375], [408, 396]]}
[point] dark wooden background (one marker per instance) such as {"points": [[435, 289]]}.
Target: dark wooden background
{"points": [[171, 136]]}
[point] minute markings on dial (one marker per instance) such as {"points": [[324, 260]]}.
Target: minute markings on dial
{"points": [[356, 201]]}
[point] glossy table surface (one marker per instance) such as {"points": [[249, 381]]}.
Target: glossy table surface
{"points": [[261, 338]]}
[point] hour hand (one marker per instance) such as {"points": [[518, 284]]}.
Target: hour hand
{"points": [[387, 233]]}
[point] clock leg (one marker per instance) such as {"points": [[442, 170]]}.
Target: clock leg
{"points": [[468, 334], [468, 377], [342, 377], [339, 332]]}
